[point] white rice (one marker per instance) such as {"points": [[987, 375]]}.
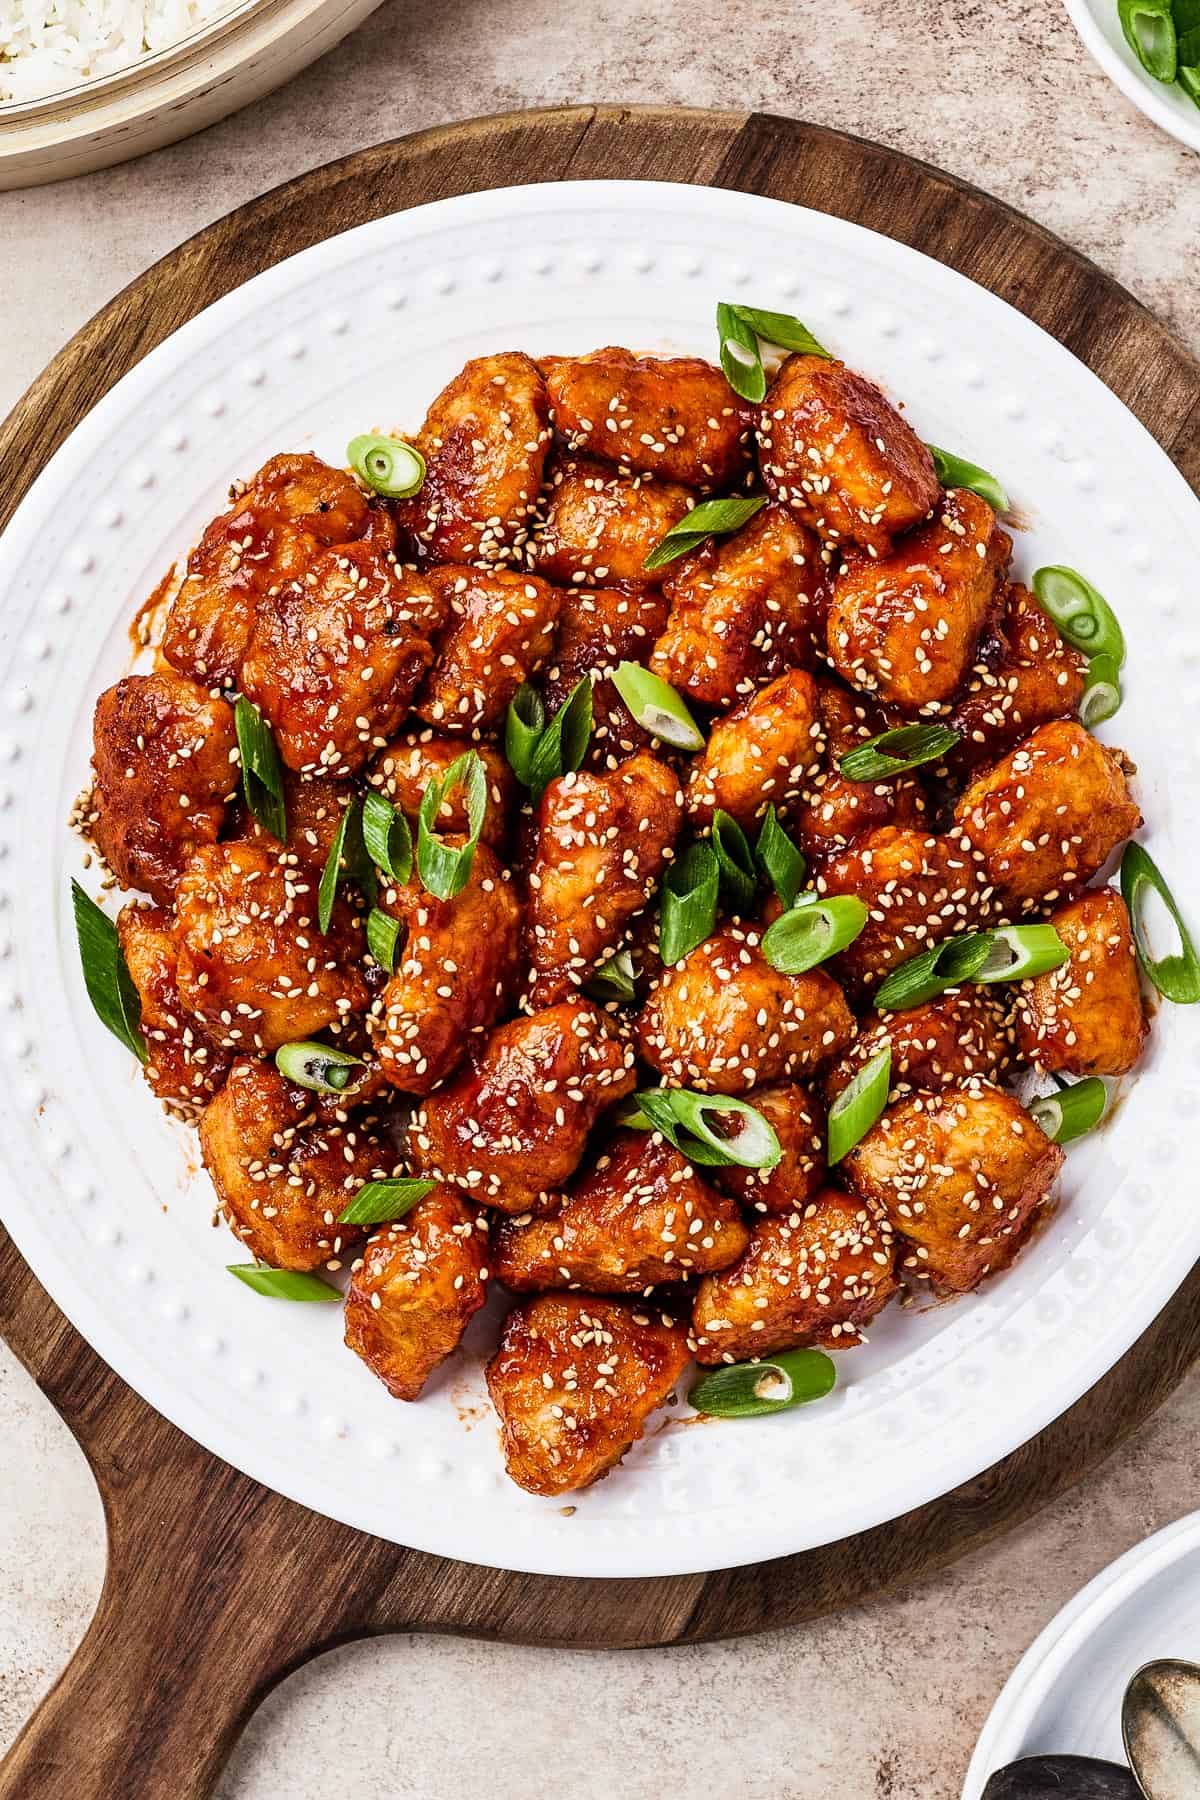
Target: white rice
{"points": [[48, 45]]}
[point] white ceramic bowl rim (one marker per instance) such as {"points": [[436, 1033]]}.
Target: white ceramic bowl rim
{"points": [[1168, 107]]}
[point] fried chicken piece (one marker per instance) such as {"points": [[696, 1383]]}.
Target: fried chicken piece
{"points": [[832, 812], [839, 455], [906, 627], [501, 630], [959, 1174], [456, 972], [672, 416], [165, 761], [334, 660], [404, 769], [640, 1216], [511, 1129], [276, 526], [252, 963], [1047, 817], [947, 1041], [743, 609], [799, 1124], [1025, 674], [184, 1066], [598, 527], [314, 806], [761, 754], [723, 1019], [1086, 1018], [917, 889], [283, 1176], [603, 841], [598, 628], [415, 1288], [574, 1382], [484, 441], [814, 1276]]}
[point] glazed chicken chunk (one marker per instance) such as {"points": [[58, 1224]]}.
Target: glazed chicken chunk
{"points": [[253, 964], [906, 626], [313, 807], [799, 1124], [839, 455], [501, 630], [960, 1036], [415, 1288], [960, 1174], [917, 890], [165, 763], [672, 416], [761, 754], [456, 969], [511, 1128], [574, 1382], [723, 1019], [1024, 675], [640, 1216], [1048, 816], [602, 844], [598, 525], [598, 628], [283, 1176], [409, 764], [276, 526], [834, 812], [1086, 1017], [334, 660], [184, 1065], [484, 441], [816, 1275], [743, 610]]}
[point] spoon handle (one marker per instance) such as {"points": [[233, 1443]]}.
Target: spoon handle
{"points": [[1061, 1778]]}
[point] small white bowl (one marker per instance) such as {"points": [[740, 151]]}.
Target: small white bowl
{"points": [[1098, 25]]}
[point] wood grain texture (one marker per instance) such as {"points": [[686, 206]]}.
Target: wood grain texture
{"points": [[216, 1588]]}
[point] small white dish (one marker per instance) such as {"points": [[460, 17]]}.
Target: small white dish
{"points": [[1064, 1696], [1098, 25]]}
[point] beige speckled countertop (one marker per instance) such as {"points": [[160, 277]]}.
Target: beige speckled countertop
{"points": [[883, 1703]]}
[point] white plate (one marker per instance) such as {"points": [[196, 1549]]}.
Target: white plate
{"points": [[1099, 25], [1064, 1696], [101, 1192]]}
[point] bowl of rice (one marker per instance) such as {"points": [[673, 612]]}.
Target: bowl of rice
{"points": [[87, 83]]}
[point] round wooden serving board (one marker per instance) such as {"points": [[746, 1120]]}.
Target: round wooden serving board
{"points": [[217, 1588]]}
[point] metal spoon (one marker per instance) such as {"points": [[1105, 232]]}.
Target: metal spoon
{"points": [[1160, 1725]]}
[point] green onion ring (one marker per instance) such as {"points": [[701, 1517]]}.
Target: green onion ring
{"points": [[776, 1384], [654, 705], [859, 1105], [814, 930], [1177, 977], [318, 1067], [1076, 1109], [1081, 613], [387, 464], [688, 902]]}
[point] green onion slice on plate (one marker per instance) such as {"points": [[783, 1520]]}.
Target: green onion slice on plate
{"points": [[1082, 614], [1076, 1109], [105, 973], [779, 328], [445, 869], [923, 977], [615, 979], [1176, 976], [751, 1390], [740, 357], [683, 1118], [262, 775], [892, 752], [562, 744], [283, 1284], [383, 933], [656, 707], [738, 874], [688, 902], [782, 863], [1102, 695], [858, 1106], [332, 872], [318, 1067], [387, 464], [712, 518], [388, 837], [1019, 952], [956, 472], [813, 931], [1150, 33], [379, 1202], [523, 726]]}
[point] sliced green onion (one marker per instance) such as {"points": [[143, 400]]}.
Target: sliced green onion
{"points": [[783, 329], [688, 902], [1102, 695], [615, 979], [1177, 977], [563, 743], [751, 1390], [812, 932], [1081, 613], [922, 977], [683, 1119], [1189, 79], [956, 472], [892, 752], [1150, 33], [332, 872], [1019, 952], [1072, 1112], [656, 707], [377, 1202], [782, 863], [382, 934], [262, 776], [740, 358], [712, 518], [283, 1284], [523, 726], [318, 1067], [393, 468], [445, 870], [859, 1105], [105, 973], [735, 857], [388, 837]]}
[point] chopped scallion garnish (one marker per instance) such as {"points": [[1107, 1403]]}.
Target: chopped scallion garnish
{"points": [[740, 357], [1177, 976], [383, 933], [656, 707], [782, 863], [105, 973], [332, 872], [683, 1119], [388, 837], [688, 902], [379, 1202], [751, 1390], [814, 930], [943, 966], [615, 979], [1102, 695], [892, 752], [1076, 1109], [262, 775], [1021, 952], [1082, 614], [446, 869], [523, 726], [389, 466], [858, 1106], [562, 744], [283, 1284], [711, 518], [736, 859], [956, 472], [1150, 33], [318, 1067]]}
